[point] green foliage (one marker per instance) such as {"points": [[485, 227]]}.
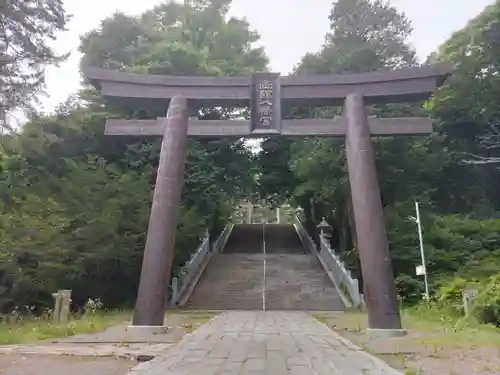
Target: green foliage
{"points": [[365, 36], [27, 265], [457, 247], [30, 329], [485, 306], [176, 39], [276, 180], [27, 27], [468, 114], [490, 301], [459, 201], [450, 295], [74, 204]]}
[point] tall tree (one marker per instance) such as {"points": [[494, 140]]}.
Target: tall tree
{"points": [[101, 186], [365, 35], [468, 112], [26, 28]]}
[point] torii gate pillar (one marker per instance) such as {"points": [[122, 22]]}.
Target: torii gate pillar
{"points": [[375, 258], [160, 242]]}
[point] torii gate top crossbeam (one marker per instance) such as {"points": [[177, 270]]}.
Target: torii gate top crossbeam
{"points": [[404, 85], [266, 93]]}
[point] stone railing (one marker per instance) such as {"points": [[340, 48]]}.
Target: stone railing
{"points": [[191, 270], [221, 241], [345, 281], [335, 268], [306, 240]]}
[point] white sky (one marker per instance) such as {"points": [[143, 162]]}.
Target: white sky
{"points": [[288, 28]]}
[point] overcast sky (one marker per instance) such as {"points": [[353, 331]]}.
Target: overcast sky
{"points": [[288, 29]]}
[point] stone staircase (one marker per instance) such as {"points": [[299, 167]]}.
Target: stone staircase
{"points": [[234, 279], [294, 280]]}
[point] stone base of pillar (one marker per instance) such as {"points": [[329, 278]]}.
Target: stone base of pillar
{"points": [[377, 334], [147, 330]]}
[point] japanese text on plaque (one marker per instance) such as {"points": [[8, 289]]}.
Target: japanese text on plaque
{"points": [[266, 103]]}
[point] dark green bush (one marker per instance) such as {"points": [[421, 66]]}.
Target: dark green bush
{"points": [[455, 246], [485, 306], [488, 303]]}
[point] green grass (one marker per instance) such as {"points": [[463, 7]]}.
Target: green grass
{"points": [[436, 327], [450, 330], [30, 330], [33, 329], [411, 372]]}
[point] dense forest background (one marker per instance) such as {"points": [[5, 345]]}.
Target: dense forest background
{"points": [[74, 204]]}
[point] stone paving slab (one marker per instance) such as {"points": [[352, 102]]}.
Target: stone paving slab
{"points": [[264, 343]]}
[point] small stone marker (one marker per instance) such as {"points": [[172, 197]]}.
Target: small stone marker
{"points": [[62, 304], [468, 296]]}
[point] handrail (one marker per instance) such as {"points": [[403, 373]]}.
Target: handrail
{"points": [[342, 276], [306, 240], [195, 264], [181, 281], [221, 241]]}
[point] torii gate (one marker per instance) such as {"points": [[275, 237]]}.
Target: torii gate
{"points": [[265, 93]]}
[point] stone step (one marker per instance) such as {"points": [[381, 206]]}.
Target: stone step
{"points": [[297, 282], [231, 281]]}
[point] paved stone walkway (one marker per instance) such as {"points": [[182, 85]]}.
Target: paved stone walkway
{"points": [[267, 343]]}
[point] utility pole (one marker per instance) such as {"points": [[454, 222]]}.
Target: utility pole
{"points": [[422, 253], [3, 119]]}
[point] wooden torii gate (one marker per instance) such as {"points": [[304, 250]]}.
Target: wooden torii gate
{"points": [[265, 93]]}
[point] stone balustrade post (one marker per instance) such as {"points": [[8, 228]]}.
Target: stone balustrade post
{"points": [[324, 235]]}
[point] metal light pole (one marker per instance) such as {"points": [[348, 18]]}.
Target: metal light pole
{"points": [[422, 254]]}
